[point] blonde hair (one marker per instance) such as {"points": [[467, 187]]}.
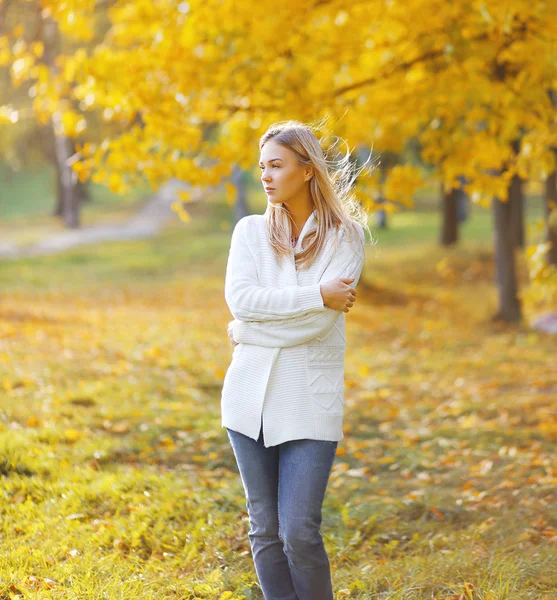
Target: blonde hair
{"points": [[330, 189]]}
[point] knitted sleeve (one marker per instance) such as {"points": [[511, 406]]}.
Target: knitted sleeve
{"points": [[248, 300], [347, 262]]}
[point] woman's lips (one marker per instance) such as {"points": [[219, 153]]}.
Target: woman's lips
{"points": [[269, 190]]}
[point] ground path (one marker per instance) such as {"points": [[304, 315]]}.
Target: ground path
{"points": [[146, 223]]}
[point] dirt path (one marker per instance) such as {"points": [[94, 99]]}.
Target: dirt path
{"points": [[146, 223]]}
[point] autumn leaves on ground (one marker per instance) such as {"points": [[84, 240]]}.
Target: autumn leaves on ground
{"points": [[117, 480]]}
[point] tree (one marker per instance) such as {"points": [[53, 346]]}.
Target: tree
{"points": [[550, 197], [449, 213], [41, 41], [465, 79], [238, 180]]}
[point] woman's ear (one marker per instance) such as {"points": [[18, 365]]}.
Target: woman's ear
{"points": [[309, 173]]}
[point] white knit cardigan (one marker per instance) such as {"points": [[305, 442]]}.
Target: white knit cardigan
{"points": [[287, 370]]}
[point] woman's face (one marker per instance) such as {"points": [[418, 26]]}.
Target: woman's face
{"points": [[281, 171]]}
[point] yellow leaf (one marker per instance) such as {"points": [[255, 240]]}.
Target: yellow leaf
{"points": [[73, 435], [115, 183], [72, 122], [184, 196], [231, 193], [363, 370], [37, 48], [182, 213]]}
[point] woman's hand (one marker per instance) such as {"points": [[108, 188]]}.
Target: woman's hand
{"points": [[230, 336], [338, 295]]}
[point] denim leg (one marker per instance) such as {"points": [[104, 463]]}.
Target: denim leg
{"points": [[304, 470], [258, 468]]}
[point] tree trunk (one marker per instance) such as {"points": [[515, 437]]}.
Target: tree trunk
{"points": [[59, 207], [551, 199], [241, 204], [509, 304], [462, 202], [68, 196], [516, 195], [551, 230], [449, 206], [68, 200], [80, 190], [381, 221], [461, 206], [516, 199]]}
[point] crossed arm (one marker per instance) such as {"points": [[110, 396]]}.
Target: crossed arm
{"points": [[302, 321], [249, 301]]}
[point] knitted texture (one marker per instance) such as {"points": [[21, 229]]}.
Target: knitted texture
{"points": [[287, 370]]}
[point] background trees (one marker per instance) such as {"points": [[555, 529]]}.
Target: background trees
{"points": [[188, 87]]}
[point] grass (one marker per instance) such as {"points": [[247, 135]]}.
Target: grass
{"points": [[27, 201], [118, 482]]}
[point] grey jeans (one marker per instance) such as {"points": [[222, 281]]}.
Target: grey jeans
{"points": [[285, 487]]}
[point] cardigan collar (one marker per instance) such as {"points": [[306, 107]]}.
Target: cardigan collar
{"points": [[310, 222]]}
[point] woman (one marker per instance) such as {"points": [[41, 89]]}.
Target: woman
{"points": [[291, 276]]}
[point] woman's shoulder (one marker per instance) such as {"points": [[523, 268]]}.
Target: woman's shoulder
{"points": [[249, 220], [353, 232], [249, 227]]}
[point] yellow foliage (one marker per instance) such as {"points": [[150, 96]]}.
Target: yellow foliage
{"points": [[184, 196], [116, 183], [37, 48], [542, 290], [82, 170], [174, 66], [182, 213], [73, 123], [5, 115], [5, 53], [402, 183], [230, 193], [190, 86], [73, 435]]}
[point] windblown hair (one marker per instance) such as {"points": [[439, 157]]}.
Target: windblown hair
{"points": [[330, 189]]}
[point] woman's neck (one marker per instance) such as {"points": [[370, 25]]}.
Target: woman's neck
{"points": [[299, 218]]}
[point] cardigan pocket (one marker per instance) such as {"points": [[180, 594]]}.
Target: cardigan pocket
{"points": [[325, 365]]}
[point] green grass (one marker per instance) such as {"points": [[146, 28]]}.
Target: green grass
{"points": [[32, 193], [27, 201]]}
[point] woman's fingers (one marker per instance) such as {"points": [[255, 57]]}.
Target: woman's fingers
{"points": [[231, 336]]}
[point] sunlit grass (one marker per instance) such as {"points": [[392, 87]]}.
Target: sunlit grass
{"points": [[118, 482]]}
